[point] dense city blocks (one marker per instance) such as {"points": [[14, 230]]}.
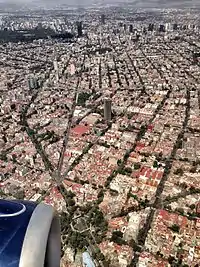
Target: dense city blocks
{"points": [[100, 117]]}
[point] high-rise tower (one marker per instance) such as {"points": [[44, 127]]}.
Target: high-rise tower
{"points": [[79, 28], [103, 19], [33, 83], [151, 27], [162, 28], [175, 27], [107, 109], [131, 28]]}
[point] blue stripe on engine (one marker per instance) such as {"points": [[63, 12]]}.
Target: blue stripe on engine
{"points": [[12, 231]]}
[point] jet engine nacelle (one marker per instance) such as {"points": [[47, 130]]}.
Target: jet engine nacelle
{"points": [[29, 235]]}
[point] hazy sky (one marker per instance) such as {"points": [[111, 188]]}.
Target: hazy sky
{"points": [[85, 2], [76, 2]]}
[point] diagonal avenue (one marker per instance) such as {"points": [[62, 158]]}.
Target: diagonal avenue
{"points": [[141, 238]]}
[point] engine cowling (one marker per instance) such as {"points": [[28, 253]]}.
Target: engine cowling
{"points": [[29, 235]]}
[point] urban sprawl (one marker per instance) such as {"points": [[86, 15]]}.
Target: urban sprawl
{"points": [[103, 123]]}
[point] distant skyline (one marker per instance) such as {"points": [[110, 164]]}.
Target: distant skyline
{"points": [[137, 3]]}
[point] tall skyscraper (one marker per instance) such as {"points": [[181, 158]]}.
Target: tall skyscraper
{"points": [[107, 109], [175, 27], [79, 28], [144, 30], [103, 19], [151, 27], [162, 28], [137, 37], [55, 63], [32, 83], [131, 28]]}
